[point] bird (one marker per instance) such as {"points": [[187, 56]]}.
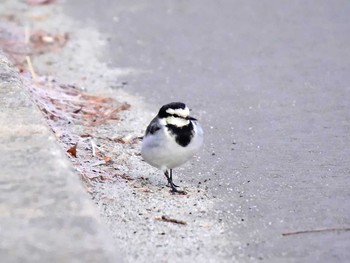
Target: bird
{"points": [[171, 139]]}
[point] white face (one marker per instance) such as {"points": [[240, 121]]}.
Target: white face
{"points": [[180, 112], [178, 122]]}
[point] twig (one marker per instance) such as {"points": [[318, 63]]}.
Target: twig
{"points": [[171, 220], [315, 231], [98, 163], [31, 69], [94, 147]]}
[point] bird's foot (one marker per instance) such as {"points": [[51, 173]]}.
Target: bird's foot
{"points": [[169, 185], [179, 192]]}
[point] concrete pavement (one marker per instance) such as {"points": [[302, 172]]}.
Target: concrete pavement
{"points": [[45, 213]]}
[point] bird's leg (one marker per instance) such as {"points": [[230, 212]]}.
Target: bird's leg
{"points": [[170, 182], [166, 173], [171, 178]]}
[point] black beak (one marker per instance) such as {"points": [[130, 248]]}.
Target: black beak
{"points": [[191, 118]]}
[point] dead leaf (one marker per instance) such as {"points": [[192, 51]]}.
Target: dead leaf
{"points": [[107, 159], [42, 42], [73, 150], [129, 139]]}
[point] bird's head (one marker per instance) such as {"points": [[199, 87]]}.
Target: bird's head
{"points": [[175, 113]]}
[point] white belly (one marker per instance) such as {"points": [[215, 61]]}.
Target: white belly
{"points": [[161, 150]]}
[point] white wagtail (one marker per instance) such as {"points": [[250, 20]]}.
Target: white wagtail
{"points": [[171, 139]]}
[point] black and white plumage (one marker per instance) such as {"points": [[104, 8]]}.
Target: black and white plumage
{"points": [[171, 139]]}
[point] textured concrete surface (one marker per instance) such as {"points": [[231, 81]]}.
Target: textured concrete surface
{"points": [[45, 214], [270, 82]]}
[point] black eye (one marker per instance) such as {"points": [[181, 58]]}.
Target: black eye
{"points": [[178, 116]]}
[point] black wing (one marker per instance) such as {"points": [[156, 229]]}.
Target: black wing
{"points": [[153, 126]]}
